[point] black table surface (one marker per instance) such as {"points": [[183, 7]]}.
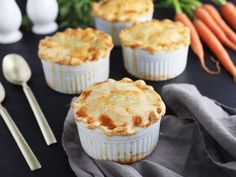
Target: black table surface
{"points": [[55, 105]]}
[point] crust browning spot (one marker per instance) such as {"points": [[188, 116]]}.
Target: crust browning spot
{"points": [[82, 112], [90, 120], [159, 110], [153, 117], [107, 121], [137, 120], [85, 94]]}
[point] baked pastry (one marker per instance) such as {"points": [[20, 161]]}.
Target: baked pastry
{"points": [[75, 58], [75, 46], [123, 112], [122, 10], [155, 50], [111, 16]]}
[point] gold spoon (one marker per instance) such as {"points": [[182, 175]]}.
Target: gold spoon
{"points": [[28, 154], [17, 71]]}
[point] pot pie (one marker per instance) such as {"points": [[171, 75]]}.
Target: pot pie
{"points": [[111, 16], [155, 50], [75, 58], [124, 112]]}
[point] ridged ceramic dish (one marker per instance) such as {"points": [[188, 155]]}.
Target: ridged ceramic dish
{"points": [[73, 79], [155, 66], [121, 149]]}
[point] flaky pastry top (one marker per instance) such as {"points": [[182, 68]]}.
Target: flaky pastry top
{"points": [[156, 35], [75, 46], [122, 10], [119, 108]]}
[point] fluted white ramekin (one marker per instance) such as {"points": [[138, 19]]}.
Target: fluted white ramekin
{"points": [[114, 28], [161, 65], [73, 79], [122, 149]]}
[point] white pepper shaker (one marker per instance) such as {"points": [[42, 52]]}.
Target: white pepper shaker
{"points": [[10, 22], [43, 14]]}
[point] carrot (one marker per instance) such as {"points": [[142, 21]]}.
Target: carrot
{"points": [[214, 44], [196, 44], [228, 11], [203, 15], [216, 16]]}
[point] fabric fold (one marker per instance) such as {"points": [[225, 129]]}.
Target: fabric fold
{"points": [[200, 140], [212, 117]]}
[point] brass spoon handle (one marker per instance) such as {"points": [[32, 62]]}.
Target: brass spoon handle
{"points": [[28, 154], [43, 124]]}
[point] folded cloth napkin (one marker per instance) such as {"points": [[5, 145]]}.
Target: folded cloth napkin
{"points": [[200, 141]]}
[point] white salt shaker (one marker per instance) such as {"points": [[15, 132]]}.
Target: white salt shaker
{"points": [[10, 22], [43, 14]]}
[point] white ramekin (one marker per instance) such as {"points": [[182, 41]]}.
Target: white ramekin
{"points": [[73, 79], [114, 28], [122, 149], [155, 66]]}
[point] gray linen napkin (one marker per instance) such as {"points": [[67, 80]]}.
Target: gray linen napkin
{"points": [[200, 141]]}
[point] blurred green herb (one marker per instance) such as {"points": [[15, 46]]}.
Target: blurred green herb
{"points": [[75, 13], [72, 13], [26, 23], [187, 6]]}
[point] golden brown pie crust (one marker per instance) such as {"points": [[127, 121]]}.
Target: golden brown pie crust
{"points": [[119, 108], [122, 10], [156, 35], [75, 46]]}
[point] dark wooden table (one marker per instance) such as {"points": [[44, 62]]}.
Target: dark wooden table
{"points": [[55, 105]]}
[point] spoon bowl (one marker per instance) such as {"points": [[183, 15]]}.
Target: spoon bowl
{"points": [[2, 93], [15, 69]]}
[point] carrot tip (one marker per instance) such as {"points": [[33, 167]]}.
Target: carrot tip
{"points": [[218, 69], [217, 64]]}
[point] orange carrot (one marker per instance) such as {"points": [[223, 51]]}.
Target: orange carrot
{"points": [[228, 11], [216, 47], [203, 15], [196, 44], [195, 40], [216, 16]]}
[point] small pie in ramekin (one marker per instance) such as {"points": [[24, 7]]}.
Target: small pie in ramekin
{"points": [[155, 50], [76, 58], [119, 120]]}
